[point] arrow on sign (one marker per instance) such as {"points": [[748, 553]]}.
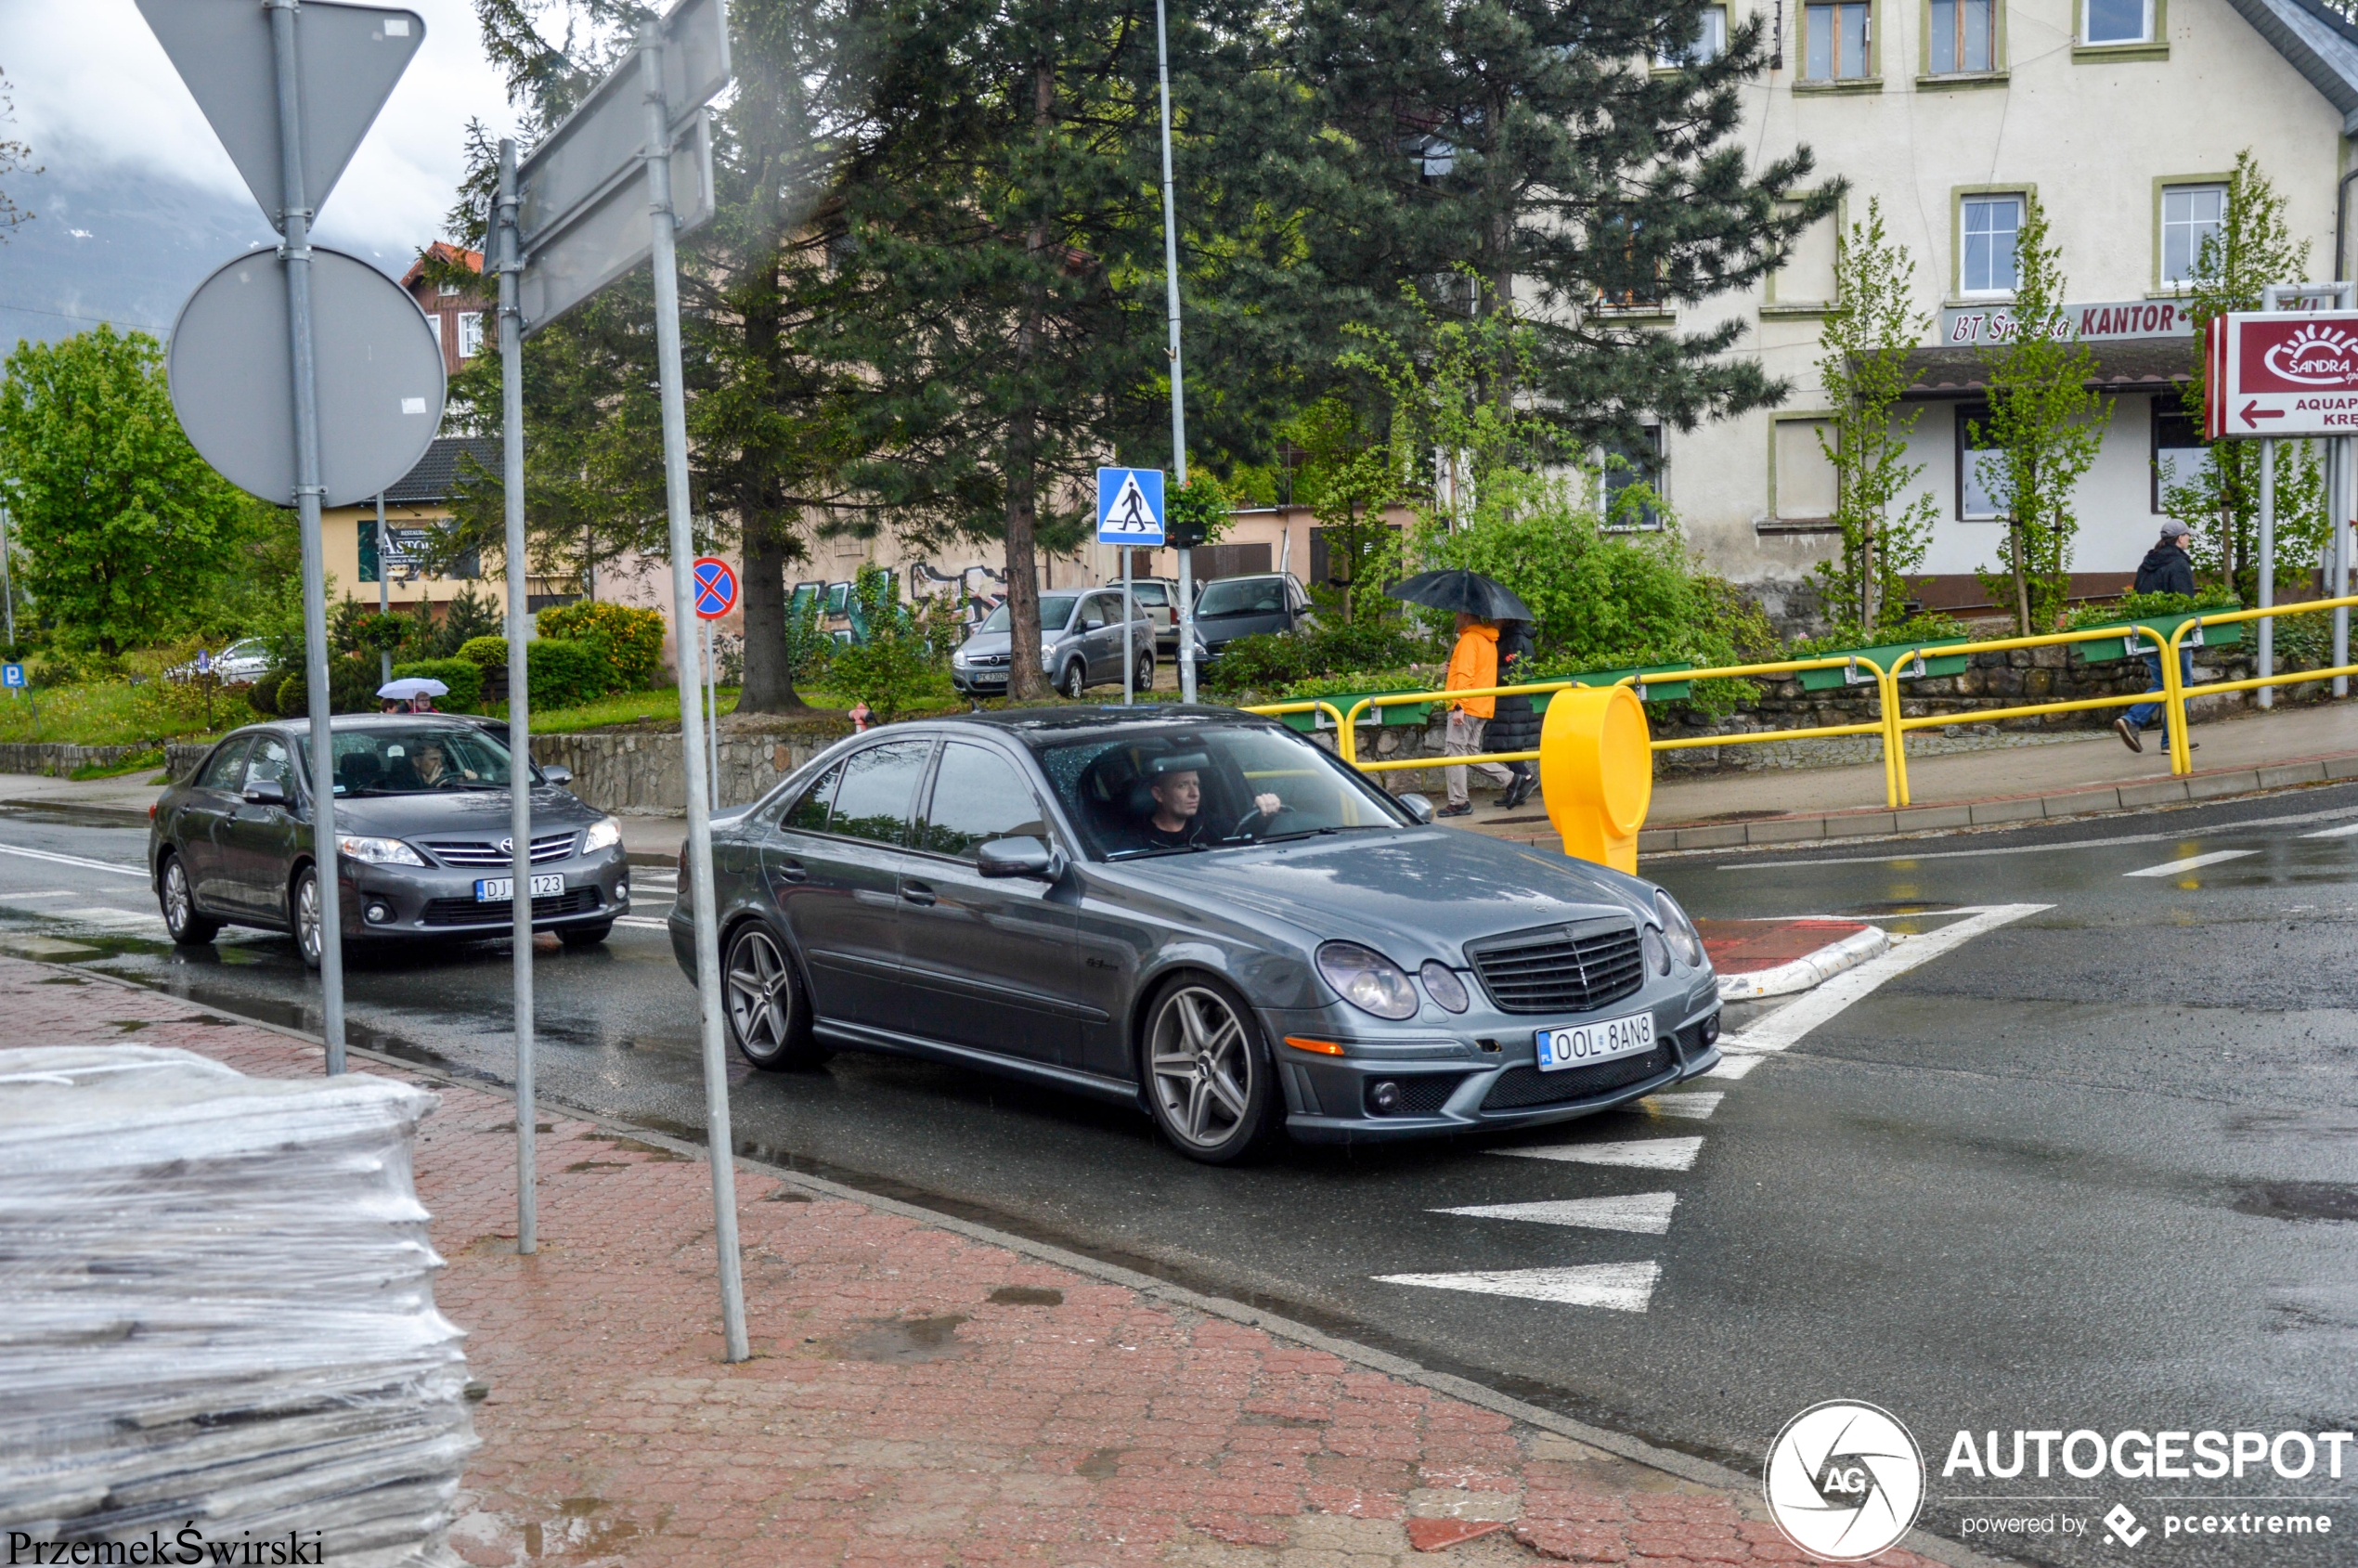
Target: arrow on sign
{"points": [[2252, 410]]}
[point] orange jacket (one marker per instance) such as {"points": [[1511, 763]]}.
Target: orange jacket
{"points": [[1473, 665]]}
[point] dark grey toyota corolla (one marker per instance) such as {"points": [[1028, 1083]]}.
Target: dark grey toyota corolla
{"points": [[1198, 910], [422, 826]]}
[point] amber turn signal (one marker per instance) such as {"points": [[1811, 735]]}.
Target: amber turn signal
{"points": [[1324, 1047]]}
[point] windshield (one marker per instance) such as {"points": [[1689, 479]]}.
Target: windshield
{"points": [[1054, 610], [1243, 596], [1203, 787], [412, 760]]}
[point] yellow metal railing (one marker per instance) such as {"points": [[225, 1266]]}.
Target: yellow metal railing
{"points": [[1892, 725]]}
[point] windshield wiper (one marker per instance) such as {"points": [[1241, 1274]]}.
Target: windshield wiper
{"points": [[1159, 850]]}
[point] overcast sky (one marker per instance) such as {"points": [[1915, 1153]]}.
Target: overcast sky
{"points": [[124, 145]]}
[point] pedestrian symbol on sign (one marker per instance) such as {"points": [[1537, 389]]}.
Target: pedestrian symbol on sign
{"points": [[1130, 506]]}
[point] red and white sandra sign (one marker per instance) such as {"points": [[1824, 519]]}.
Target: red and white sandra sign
{"points": [[2283, 373]]}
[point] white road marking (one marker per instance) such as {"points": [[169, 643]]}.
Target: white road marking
{"points": [[88, 915], [1694, 1108], [138, 871], [633, 921], [1616, 1287], [2296, 819], [2344, 831], [44, 893], [1646, 1212], [1735, 1067], [1787, 1024], [1645, 1154], [2172, 868]]}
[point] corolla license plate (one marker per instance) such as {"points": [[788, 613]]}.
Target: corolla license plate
{"points": [[499, 889], [1587, 1045]]}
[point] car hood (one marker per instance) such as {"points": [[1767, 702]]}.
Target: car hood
{"points": [[453, 813], [1412, 895]]}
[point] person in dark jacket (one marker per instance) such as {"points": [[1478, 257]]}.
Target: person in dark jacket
{"points": [[2164, 570], [1514, 723]]}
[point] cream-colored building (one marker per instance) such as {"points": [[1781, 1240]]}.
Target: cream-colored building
{"points": [[2124, 116]]}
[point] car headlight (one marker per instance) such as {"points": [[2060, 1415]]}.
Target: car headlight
{"points": [[1678, 931], [378, 851], [1656, 951], [1368, 980], [1442, 985], [605, 834]]}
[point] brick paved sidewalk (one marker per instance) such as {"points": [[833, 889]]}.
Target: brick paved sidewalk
{"points": [[916, 1397]]}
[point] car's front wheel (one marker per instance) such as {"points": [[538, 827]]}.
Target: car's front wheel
{"points": [[188, 927], [768, 1015], [1210, 1081], [305, 898], [1144, 679], [1074, 680]]}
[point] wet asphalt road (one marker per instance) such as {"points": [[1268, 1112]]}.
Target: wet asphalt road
{"points": [[2094, 1168]]}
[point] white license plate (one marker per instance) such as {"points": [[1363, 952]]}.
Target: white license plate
{"points": [[499, 889], [1587, 1045]]}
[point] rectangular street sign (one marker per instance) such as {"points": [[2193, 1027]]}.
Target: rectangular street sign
{"points": [[12, 676], [2106, 322], [609, 237], [1130, 507], [2292, 374]]}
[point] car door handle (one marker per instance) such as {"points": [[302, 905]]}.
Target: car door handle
{"points": [[792, 871], [917, 893]]}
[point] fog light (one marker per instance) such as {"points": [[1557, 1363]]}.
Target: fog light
{"points": [[378, 913], [1711, 1030], [1383, 1097], [622, 891]]}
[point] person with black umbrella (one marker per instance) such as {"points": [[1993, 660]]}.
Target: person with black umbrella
{"points": [[1479, 602], [1514, 721]]}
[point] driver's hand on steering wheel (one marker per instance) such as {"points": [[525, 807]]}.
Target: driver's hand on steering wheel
{"points": [[1270, 804]]}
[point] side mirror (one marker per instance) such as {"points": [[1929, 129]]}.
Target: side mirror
{"points": [[557, 774], [1019, 857], [265, 792], [1418, 807]]}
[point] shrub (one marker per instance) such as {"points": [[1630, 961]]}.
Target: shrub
{"points": [[355, 629], [888, 668], [486, 653], [464, 678], [1278, 661], [353, 680], [565, 674], [466, 617], [629, 641]]}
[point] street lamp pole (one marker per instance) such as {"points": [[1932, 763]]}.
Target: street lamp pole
{"points": [[1178, 396]]}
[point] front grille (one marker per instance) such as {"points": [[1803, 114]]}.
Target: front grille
{"points": [[466, 912], [1421, 1095], [486, 853], [1564, 969], [1521, 1086]]}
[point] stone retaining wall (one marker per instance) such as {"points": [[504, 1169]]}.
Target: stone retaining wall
{"points": [[639, 773], [57, 759]]}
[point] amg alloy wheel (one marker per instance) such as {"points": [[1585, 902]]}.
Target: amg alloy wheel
{"points": [[764, 1004], [1209, 1078]]}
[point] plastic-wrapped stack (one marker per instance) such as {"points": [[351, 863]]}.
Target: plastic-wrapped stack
{"points": [[216, 1310]]}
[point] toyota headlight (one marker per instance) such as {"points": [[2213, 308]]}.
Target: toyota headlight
{"points": [[378, 851], [1678, 931], [605, 834], [1368, 980]]}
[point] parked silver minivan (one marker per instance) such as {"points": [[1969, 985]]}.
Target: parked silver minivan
{"points": [[1080, 646]]}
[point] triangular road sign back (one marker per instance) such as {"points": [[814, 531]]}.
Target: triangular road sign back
{"points": [[350, 57]]}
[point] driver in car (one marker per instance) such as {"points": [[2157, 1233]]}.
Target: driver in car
{"points": [[1177, 784], [432, 770]]}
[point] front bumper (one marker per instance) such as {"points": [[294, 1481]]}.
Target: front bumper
{"points": [[1456, 1085], [439, 901]]}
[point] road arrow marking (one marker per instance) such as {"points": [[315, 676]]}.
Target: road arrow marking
{"points": [[1645, 1213], [1694, 1108], [1787, 1024], [1644, 1154], [2344, 831], [2173, 867], [1615, 1287]]}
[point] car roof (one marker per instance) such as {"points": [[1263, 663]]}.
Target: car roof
{"points": [[1037, 724]]}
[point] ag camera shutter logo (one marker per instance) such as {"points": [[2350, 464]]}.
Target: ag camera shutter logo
{"points": [[1844, 1480]]}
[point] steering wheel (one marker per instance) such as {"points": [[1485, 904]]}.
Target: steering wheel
{"points": [[1256, 815]]}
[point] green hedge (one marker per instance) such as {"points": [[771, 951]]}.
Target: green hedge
{"points": [[464, 678], [353, 680], [629, 640], [563, 673]]}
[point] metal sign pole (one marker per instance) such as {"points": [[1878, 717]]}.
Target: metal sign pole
{"points": [[7, 580], [1129, 643], [720, 1145], [384, 589], [712, 719], [2267, 567], [1178, 396], [2339, 508], [519, 698], [295, 250]]}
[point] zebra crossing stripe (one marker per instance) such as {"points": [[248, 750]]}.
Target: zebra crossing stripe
{"points": [[1615, 1287], [1694, 1107], [1648, 1213]]}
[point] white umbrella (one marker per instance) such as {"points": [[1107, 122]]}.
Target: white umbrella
{"points": [[411, 686]]}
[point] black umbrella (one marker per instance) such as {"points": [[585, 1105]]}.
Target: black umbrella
{"points": [[1483, 598]]}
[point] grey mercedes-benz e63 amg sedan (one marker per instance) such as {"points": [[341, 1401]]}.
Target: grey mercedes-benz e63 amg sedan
{"points": [[421, 819], [1200, 912]]}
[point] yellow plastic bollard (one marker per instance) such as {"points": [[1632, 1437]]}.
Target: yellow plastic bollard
{"points": [[1597, 769]]}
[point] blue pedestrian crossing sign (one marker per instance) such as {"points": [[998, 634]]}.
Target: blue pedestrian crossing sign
{"points": [[12, 677], [1130, 506]]}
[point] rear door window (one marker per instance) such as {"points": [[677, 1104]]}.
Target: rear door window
{"points": [[877, 791], [977, 796]]}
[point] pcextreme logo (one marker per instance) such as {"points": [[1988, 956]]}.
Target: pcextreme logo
{"points": [[1844, 1480]]}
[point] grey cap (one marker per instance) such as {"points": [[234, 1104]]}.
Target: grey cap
{"points": [[2173, 529]]}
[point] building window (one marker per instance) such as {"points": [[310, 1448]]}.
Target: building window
{"points": [[1987, 226], [1981, 485], [470, 333], [448, 291], [1709, 45], [2179, 456], [1641, 283], [1633, 480], [2190, 213], [1804, 486], [1838, 37], [2116, 21], [1964, 36]]}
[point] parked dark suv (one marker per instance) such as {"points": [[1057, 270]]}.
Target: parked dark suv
{"points": [[1228, 608], [421, 821]]}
